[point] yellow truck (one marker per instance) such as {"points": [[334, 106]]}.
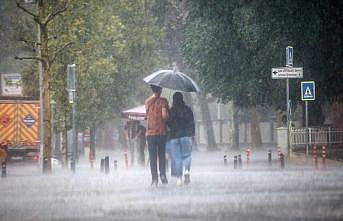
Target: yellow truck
{"points": [[19, 129]]}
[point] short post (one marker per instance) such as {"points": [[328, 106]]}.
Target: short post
{"points": [[282, 161], [91, 159], [72, 165], [235, 162], [115, 163], [269, 157], [248, 153], [225, 160], [102, 165], [279, 152], [324, 156], [315, 156], [239, 161], [3, 169], [126, 158], [107, 164], [248, 156]]}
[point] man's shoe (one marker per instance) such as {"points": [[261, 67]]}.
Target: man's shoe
{"points": [[154, 182], [187, 178], [164, 179]]}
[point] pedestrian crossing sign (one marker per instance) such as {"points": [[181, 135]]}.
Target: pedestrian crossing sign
{"points": [[308, 91]]}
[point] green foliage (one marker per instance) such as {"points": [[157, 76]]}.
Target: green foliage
{"points": [[234, 45], [114, 45]]}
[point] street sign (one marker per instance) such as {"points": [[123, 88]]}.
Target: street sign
{"points": [[289, 56], [282, 72], [308, 91]]}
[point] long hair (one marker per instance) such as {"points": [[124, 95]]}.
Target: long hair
{"points": [[178, 100]]}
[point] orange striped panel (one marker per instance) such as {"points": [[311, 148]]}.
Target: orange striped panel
{"points": [[28, 123], [8, 119]]}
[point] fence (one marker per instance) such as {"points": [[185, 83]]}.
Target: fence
{"points": [[323, 136], [223, 132]]}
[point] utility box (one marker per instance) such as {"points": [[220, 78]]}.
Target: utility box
{"points": [[282, 138]]}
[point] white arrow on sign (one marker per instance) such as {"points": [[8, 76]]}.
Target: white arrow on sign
{"points": [[284, 72]]}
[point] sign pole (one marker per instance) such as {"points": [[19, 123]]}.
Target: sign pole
{"points": [[306, 124], [289, 63]]}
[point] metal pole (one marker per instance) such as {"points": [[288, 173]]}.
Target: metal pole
{"points": [[74, 141], [306, 125], [287, 105]]}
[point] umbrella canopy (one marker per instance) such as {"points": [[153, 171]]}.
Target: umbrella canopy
{"points": [[172, 79], [136, 113]]}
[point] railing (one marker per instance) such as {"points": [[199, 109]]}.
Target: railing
{"points": [[324, 136]]}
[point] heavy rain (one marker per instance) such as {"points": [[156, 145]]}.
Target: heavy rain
{"points": [[171, 110]]}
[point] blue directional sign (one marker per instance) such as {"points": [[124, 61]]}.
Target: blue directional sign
{"points": [[308, 91]]}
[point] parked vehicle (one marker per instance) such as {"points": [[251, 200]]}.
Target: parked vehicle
{"points": [[19, 129]]}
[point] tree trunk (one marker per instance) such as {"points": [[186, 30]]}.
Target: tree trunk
{"points": [[44, 53], [235, 132], [255, 128], [64, 145], [205, 113], [190, 103]]}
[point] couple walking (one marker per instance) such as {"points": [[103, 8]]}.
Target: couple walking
{"points": [[179, 120]]}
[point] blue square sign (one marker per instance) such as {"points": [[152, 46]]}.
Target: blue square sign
{"points": [[308, 91]]}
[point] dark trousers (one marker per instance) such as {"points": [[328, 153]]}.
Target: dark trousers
{"points": [[157, 150]]}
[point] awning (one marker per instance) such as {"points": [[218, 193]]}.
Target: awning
{"points": [[136, 113]]}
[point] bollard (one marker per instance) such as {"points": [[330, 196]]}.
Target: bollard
{"points": [[72, 165], [225, 160], [269, 157], [239, 161], [279, 152], [282, 161], [107, 164], [3, 169], [324, 156], [235, 162], [126, 158], [248, 153], [91, 159], [315, 156], [115, 162], [102, 165]]}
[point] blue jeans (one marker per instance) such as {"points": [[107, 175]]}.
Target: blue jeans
{"points": [[180, 150]]}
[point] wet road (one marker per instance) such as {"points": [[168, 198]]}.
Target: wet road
{"points": [[216, 192]]}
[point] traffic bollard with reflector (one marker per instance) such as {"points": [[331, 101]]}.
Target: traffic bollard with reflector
{"points": [[235, 162], [282, 161], [269, 157], [3, 169], [239, 161], [107, 164], [324, 156], [315, 156], [279, 152], [126, 158], [115, 163], [102, 165], [225, 160], [248, 153]]}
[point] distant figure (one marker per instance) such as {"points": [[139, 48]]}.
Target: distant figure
{"points": [[157, 114], [141, 141], [182, 131]]}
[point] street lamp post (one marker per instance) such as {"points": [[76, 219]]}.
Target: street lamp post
{"points": [[71, 86]]}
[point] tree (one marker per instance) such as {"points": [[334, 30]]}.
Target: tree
{"points": [[45, 14], [234, 44]]}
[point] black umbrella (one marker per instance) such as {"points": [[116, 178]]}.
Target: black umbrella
{"points": [[172, 79]]}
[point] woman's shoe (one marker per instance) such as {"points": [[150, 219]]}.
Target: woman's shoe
{"points": [[187, 177], [179, 181]]}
